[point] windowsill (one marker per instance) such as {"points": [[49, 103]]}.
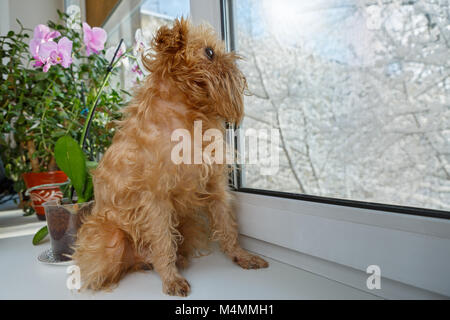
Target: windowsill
{"points": [[291, 275], [339, 243], [14, 224], [211, 277]]}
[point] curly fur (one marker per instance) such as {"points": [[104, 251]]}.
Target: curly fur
{"points": [[149, 210]]}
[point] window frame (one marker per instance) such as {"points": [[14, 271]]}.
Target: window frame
{"points": [[227, 32], [355, 230]]}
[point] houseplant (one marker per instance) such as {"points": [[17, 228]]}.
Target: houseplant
{"points": [[64, 219], [49, 81]]}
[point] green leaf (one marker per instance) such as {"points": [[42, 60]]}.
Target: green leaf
{"points": [[89, 188], [28, 213], [41, 76], [91, 165], [89, 191], [40, 235], [71, 159]]}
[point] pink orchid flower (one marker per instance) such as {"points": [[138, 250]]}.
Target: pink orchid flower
{"points": [[140, 48], [121, 61], [137, 70], [52, 53], [139, 45], [42, 34], [94, 39]]}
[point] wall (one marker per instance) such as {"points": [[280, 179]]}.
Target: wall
{"points": [[98, 10], [4, 16], [30, 13]]}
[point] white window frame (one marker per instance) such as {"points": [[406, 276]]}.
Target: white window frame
{"points": [[340, 242]]}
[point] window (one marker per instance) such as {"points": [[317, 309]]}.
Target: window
{"points": [[147, 15], [359, 92]]}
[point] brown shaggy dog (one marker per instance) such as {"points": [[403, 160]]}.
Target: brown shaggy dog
{"points": [[148, 210]]}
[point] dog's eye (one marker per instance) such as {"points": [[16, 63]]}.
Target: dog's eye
{"points": [[209, 53]]}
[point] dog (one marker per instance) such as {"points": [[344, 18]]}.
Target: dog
{"points": [[150, 212]]}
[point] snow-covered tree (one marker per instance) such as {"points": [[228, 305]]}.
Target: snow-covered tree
{"points": [[360, 93]]}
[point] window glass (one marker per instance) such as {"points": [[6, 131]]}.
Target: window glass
{"points": [[147, 15], [359, 93]]}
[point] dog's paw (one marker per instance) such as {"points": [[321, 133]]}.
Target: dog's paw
{"points": [[177, 287], [250, 261]]}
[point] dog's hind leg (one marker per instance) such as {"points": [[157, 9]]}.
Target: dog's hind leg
{"points": [[103, 253]]}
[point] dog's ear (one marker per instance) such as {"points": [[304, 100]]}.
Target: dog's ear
{"points": [[171, 40]]}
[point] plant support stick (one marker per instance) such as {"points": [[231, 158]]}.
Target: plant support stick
{"points": [[92, 110]]}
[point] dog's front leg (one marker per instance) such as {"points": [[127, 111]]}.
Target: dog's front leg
{"points": [[225, 230], [163, 244]]}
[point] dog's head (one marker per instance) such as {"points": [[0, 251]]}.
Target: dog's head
{"points": [[193, 60]]}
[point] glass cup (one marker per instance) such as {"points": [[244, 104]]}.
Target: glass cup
{"points": [[63, 221]]}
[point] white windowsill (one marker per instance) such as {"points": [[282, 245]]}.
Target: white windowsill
{"points": [[211, 277], [291, 275], [340, 242]]}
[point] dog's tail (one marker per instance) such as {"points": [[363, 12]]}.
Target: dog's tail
{"points": [[103, 252]]}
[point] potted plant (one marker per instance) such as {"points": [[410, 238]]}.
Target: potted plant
{"points": [[64, 218], [50, 79], [76, 159]]}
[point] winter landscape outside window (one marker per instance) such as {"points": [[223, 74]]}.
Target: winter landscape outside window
{"points": [[360, 93]]}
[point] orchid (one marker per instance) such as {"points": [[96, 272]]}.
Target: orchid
{"points": [[52, 53], [74, 20], [122, 58], [40, 105], [137, 70], [42, 34], [139, 49], [139, 45], [94, 39]]}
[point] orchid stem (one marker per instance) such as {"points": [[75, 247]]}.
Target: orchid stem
{"points": [[90, 116]]}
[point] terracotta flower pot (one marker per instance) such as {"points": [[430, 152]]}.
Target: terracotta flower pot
{"points": [[44, 194]]}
